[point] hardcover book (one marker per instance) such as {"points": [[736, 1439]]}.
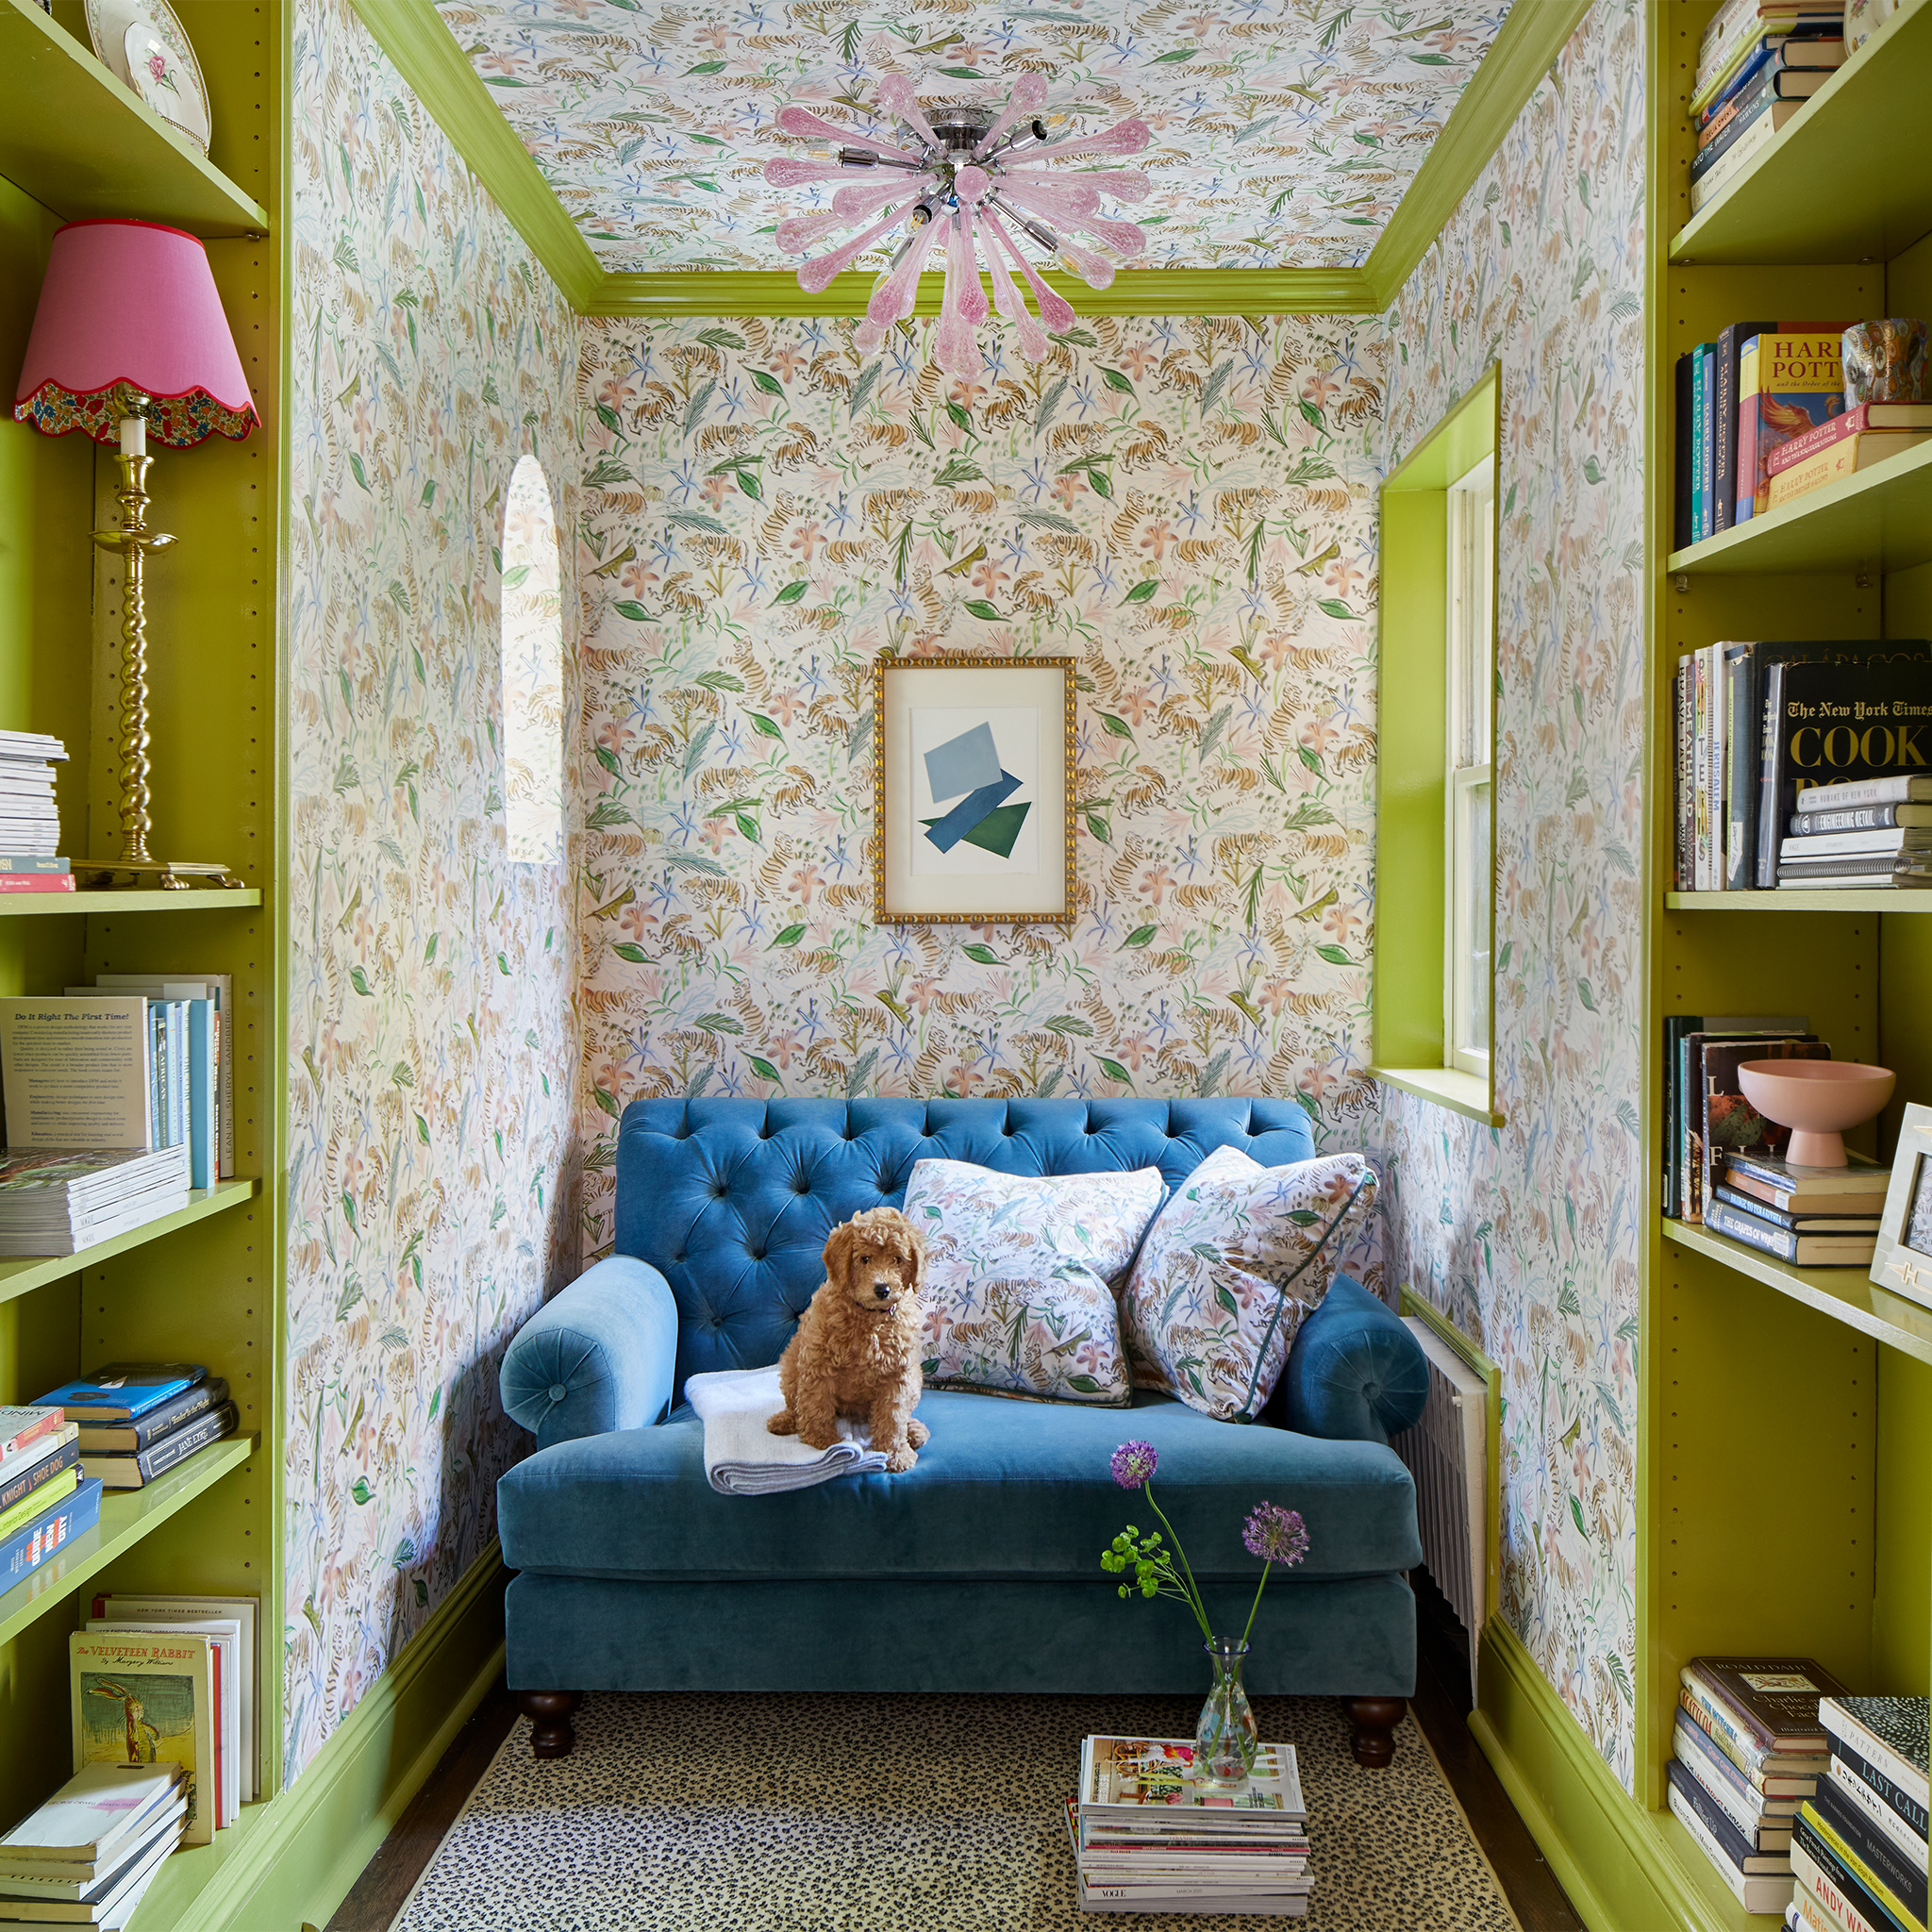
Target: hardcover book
{"points": [[1877, 1815], [1788, 1245], [1891, 1732], [1771, 1701], [1852, 422], [39, 1466], [97, 1814], [1772, 1800], [1819, 824], [22, 1426], [1800, 382], [1868, 1855], [144, 1697], [34, 1543], [1788, 1184], [125, 1392], [1805, 1220], [1834, 796], [132, 1472], [129, 1438], [1816, 1868], [1732, 1124], [1767, 1892], [1845, 457], [1724, 1786], [1740, 1854]]}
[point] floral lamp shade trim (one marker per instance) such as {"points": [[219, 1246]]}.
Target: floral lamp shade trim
{"points": [[1240, 1256], [177, 421], [1019, 1277]]}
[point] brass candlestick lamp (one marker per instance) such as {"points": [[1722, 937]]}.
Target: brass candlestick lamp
{"points": [[129, 336]]}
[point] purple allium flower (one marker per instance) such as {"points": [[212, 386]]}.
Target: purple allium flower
{"points": [[1275, 1535], [1134, 1464]]}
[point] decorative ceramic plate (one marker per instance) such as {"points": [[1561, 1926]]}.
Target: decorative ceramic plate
{"points": [[142, 45]]}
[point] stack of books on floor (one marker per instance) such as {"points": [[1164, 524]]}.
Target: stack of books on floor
{"points": [[86, 1856], [1858, 1842], [56, 1200], [1147, 1841], [1748, 1752], [47, 1498], [1796, 766], [1812, 1217], [1757, 64], [137, 1420], [29, 819]]}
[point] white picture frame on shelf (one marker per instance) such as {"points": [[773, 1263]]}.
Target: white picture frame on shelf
{"points": [[1903, 1260]]}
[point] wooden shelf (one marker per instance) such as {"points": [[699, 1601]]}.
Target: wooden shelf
{"points": [[1879, 519], [28, 904], [1847, 1294], [1844, 180], [20, 1275], [127, 1516], [1852, 899], [80, 143]]}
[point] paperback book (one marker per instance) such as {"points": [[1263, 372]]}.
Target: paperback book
{"points": [[142, 1697]]}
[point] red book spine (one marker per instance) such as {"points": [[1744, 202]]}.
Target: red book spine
{"points": [[36, 882], [1833, 429], [41, 1425]]}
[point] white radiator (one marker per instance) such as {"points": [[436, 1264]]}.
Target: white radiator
{"points": [[1447, 1454]]}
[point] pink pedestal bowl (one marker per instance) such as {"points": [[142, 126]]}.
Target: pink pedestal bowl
{"points": [[1818, 1100]]}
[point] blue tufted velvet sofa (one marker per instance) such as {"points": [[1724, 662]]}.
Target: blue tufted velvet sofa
{"points": [[978, 1569]]}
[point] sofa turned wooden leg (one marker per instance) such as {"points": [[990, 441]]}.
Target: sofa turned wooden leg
{"points": [[549, 1713], [1373, 1720]]}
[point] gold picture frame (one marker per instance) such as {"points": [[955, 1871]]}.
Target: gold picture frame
{"points": [[973, 813], [1903, 1260]]}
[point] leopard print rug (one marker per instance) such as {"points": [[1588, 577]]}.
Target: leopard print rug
{"points": [[762, 1813]]}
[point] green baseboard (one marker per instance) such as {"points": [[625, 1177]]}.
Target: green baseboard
{"points": [[292, 1860], [1605, 1853]]}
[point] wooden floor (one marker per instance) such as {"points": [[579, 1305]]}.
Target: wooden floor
{"points": [[1440, 1705]]}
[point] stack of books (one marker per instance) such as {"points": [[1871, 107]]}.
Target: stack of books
{"points": [[137, 1420], [56, 1200], [1146, 1841], [1812, 1217], [1768, 735], [1705, 1113], [46, 1499], [1758, 62], [86, 1856], [29, 819], [1843, 445], [1858, 1842], [1876, 832], [1747, 1752]]}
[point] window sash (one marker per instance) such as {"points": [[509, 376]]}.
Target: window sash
{"points": [[1469, 876]]}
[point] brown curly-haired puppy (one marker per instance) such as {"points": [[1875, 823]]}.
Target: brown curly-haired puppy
{"points": [[856, 1350]]}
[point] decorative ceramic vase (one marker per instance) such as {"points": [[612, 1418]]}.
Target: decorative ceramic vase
{"points": [[1227, 1737], [1818, 1100], [1884, 361]]}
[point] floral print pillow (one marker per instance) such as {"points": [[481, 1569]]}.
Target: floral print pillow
{"points": [[1201, 1307], [1019, 1275]]}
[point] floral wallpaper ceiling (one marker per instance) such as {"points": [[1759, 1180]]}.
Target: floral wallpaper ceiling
{"points": [[1285, 131]]}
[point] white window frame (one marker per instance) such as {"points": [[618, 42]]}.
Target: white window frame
{"points": [[1467, 764]]}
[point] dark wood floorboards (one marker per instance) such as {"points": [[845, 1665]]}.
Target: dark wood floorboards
{"points": [[1441, 1705]]}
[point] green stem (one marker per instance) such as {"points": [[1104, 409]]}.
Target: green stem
{"points": [[1267, 1570], [1173, 1542]]}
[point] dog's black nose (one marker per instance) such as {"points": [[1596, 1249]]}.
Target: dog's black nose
{"points": [[882, 1288]]}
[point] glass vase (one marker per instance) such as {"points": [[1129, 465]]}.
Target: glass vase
{"points": [[1225, 1737]]}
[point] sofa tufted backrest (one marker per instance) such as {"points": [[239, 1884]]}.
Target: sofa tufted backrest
{"points": [[731, 1200]]}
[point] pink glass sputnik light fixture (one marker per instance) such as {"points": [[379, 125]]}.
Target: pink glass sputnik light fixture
{"points": [[963, 181]]}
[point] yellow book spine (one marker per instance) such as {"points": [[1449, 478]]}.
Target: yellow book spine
{"points": [[37, 1502], [1858, 1869]]}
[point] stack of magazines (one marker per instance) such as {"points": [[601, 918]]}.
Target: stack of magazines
{"points": [[56, 1200], [86, 1856], [1145, 1840]]}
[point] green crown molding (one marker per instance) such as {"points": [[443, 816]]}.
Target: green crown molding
{"points": [[425, 53], [1134, 292], [1521, 54]]}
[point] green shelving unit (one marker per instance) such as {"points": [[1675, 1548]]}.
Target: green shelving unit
{"points": [[1785, 1411], [22, 1275]]}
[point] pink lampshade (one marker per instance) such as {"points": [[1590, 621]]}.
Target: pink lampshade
{"points": [[131, 302]]}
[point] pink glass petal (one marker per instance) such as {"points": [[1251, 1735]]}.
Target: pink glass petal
{"points": [[809, 127], [855, 203], [1065, 201], [1124, 238], [1029, 90], [867, 338], [1030, 336], [972, 303], [787, 173], [1117, 183], [1094, 270], [954, 347], [1127, 137], [896, 97], [814, 276], [893, 298], [796, 233], [1055, 311]]}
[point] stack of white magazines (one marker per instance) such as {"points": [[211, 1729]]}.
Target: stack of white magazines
{"points": [[56, 1200], [87, 1856], [29, 819]]}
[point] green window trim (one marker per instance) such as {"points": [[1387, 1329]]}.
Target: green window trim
{"points": [[1411, 859]]}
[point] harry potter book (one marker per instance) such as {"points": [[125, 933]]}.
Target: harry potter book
{"points": [[1788, 383]]}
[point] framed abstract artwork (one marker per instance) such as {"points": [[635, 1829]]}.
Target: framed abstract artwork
{"points": [[972, 791]]}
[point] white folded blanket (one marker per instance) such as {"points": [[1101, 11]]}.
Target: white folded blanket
{"points": [[743, 1458]]}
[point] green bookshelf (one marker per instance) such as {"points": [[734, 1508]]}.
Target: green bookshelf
{"points": [[1777, 1396], [23, 1275], [40, 905]]}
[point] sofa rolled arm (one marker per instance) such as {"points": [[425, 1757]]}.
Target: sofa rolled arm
{"points": [[598, 1357], [1355, 1373]]}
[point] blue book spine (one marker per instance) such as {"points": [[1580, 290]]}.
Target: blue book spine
{"points": [[178, 1071], [1697, 374], [1710, 359], [202, 1151], [30, 1546]]}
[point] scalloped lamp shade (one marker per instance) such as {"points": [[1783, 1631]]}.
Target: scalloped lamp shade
{"points": [[131, 304]]}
